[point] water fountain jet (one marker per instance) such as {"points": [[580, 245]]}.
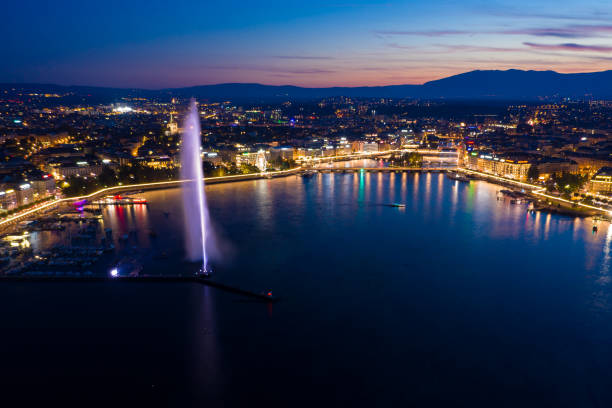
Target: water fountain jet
{"points": [[195, 208]]}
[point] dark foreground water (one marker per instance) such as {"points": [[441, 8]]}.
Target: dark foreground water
{"points": [[456, 300]]}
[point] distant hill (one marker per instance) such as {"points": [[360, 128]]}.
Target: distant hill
{"points": [[516, 84], [500, 85], [233, 91], [509, 85]]}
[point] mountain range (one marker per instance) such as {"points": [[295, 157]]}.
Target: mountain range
{"points": [[493, 84]]}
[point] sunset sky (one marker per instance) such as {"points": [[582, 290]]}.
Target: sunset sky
{"points": [[155, 44]]}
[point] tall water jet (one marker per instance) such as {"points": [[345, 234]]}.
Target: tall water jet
{"points": [[195, 210]]}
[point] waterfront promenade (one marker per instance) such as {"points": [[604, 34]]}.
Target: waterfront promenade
{"points": [[49, 205], [537, 191]]}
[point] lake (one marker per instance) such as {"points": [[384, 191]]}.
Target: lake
{"points": [[457, 299]]}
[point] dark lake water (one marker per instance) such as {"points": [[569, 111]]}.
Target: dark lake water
{"points": [[458, 299]]}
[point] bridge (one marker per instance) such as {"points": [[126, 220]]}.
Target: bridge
{"points": [[426, 153], [383, 169]]}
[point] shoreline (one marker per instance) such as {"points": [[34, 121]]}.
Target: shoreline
{"points": [[564, 207], [536, 192], [68, 255], [158, 185]]}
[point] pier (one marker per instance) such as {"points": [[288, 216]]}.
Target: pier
{"points": [[264, 296]]}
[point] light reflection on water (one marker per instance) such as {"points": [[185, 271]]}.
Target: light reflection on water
{"points": [[456, 283], [470, 208], [464, 212]]}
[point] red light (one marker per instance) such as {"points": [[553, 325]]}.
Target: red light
{"points": [[269, 293]]}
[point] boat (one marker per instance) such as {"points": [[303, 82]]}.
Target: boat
{"points": [[458, 177], [120, 200], [396, 205], [516, 197]]}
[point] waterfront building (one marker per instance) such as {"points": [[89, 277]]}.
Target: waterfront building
{"points": [[259, 159], [343, 149], [299, 153], [42, 183], [601, 183], [357, 146], [514, 167], [370, 147], [25, 194], [302, 153], [8, 198], [549, 166], [590, 163], [328, 151], [284, 152], [384, 146], [80, 168], [212, 157]]}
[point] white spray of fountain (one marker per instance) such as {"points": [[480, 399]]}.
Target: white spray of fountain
{"points": [[195, 209]]}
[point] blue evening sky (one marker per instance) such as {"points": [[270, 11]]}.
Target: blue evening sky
{"points": [[152, 44]]}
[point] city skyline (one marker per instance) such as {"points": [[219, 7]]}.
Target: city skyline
{"points": [[363, 43]]}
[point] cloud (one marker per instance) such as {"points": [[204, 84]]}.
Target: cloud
{"points": [[593, 15], [302, 57], [567, 31], [462, 47], [266, 68], [568, 47], [572, 31], [427, 33], [548, 32], [401, 47]]}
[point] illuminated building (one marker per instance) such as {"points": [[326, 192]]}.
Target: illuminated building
{"points": [[172, 127], [511, 167], [261, 161], [601, 183], [258, 159], [80, 168], [283, 152], [370, 147], [8, 199], [25, 194], [157, 162], [328, 151], [547, 167]]}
